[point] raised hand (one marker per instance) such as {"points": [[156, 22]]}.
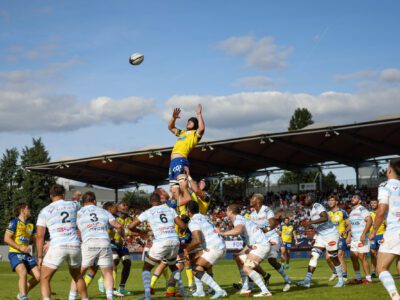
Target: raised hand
{"points": [[199, 109], [176, 113]]}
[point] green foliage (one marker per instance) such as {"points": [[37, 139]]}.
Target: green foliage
{"points": [[289, 177], [135, 198], [301, 118]]}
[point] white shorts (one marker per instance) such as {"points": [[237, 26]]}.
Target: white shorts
{"points": [[329, 243], [97, 252], [357, 246], [260, 250], [212, 256], [275, 247], [390, 243], [55, 256], [167, 250]]}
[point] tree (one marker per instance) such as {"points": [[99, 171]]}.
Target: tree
{"points": [[301, 118], [35, 186], [136, 198], [288, 177], [10, 182]]}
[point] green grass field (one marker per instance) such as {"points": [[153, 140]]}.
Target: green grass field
{"points": [[226, 274]]}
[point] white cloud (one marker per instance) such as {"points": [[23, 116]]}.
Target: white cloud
{"points": [[262, 54], [359, 75], [36, 52], [239, 114], [258, 82], [28, 103], [390, 75]]}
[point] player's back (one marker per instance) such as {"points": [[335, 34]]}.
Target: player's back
{"points": [[60, 218], [212, 239], [161, 219], [251, 231], [389, 193], [93, 222]]}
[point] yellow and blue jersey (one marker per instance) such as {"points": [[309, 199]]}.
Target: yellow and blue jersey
{"points": [[338, 218], [381, 230], [203, 202], [287, 233], [23, 232], [187, 139]]}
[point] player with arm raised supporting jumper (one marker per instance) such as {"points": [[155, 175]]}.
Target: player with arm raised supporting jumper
{"points": [[326, 238], [187, 140], [162, 220], [60, 219], [389, 204]]}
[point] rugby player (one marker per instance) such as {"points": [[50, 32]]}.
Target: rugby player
{"points": [[378, 236], [60, 219], [162, 220], [255, 251], [339, 218], [214, 249], [287, 234], [187, 139], [19, 234], [96, 247], [326, 238], [389, 203], [360, 222], [264, 217]]}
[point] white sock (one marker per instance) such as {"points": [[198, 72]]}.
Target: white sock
{"points": [[207, 279], [387, 280], [283, 274], [199, 285], [256, 277], [177, 276], [245, 279], [358, 275], [146, 276], [46, 298], [72, 295], [339, 272], [109, 294]]}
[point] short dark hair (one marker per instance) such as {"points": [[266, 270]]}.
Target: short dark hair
{"points": [[155, 197], [193, 207], [395, 165], [235, 208], [195, 122], [89, 197], [57, 190], [287, 218], [108, 205], [19, 207]]}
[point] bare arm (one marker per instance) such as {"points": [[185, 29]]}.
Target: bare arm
{"points": [[171, 123], [180, 223], [40, 233], [368, 225], [380, 216], [323, 218], [237, 230], [196, 241], [133, 225], [115, 224], [202, 126], [185, 196], [8, 239]]}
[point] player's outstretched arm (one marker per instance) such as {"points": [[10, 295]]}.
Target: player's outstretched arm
{"points": [[180, 223], [237, 230], [196, 241], [202, 126], [171, 123], [133, 226]]}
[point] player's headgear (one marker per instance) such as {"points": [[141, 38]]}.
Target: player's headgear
{"points": [[195, 122]]}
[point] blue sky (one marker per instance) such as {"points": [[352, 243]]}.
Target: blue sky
{"points": [[65, 76]]}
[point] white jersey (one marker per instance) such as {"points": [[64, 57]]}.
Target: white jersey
{"points": [[162, 222], [389, 194], [251, 232], [357, 221], [325, 228], [60, 218], [213, 240], [261, 218], [93, 222]]}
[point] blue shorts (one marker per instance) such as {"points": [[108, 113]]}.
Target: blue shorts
{"points": [[342, 244], [184, 241], [121, 251], [377, 242], [177, 167], [21, 258], [287, 245]]}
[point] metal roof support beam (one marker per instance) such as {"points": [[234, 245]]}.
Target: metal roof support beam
{"points": [[382, 146], [312, 151], [262, 159]]}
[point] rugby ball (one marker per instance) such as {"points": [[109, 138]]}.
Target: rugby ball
{"points": [[136, 59]]}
